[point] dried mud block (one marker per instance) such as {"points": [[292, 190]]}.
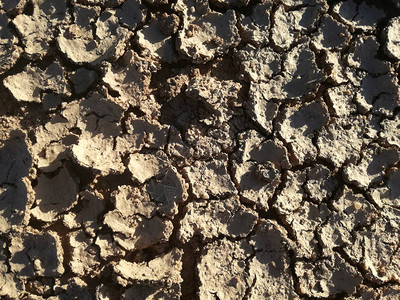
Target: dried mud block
{"points": [[85, 260], [335, 68], [351, 211], [131, 80], [389, 192], [331, 35], [9, 50], [160, 276], [294, 3], [289, 25], [299, 126], [82, 79], [342, 140], [255, 27], [221, 274], [291, 196], [205, 33], [376, 249], [364, 55], [72, 288], [391, 131], [108, 248], [258, 64], [155, 43], [300, 78], [145, 166], [213, 218], [32, 83], [257, 182], [341, 100], [36, 254], [135, 232], [102, 3], [217, 96], [37, 30], [97, 153], [91, 204], [261, 109], [210, 178], [390, 292], [230, 3], [10, 286], [372, 166], [142, 133], [11, 5], [54, 195], [269, 269], [392, 47], [321, 184], [327, 277], [359, 15], [131, 13], [80, 46]]}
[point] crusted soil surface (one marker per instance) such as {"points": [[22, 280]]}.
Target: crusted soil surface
{"points": [[199, 149]]}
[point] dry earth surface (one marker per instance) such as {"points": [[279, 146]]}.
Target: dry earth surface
{"points": [[199, 149]]}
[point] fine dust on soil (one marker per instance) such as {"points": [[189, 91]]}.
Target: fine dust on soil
{"points": [[199, 149]]}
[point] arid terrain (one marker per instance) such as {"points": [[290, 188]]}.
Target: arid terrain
{"points": [[199, 149]]}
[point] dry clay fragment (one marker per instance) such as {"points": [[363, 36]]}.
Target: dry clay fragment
{"points": [[210, 178], [205, 33], [32, 82], [131, 13], [84, 257], [341, 100], [37, 30], [269, 275], [9, 51], [145, 166], [376, 249], [213, 218], [163, 273], [222, 274], [300, 126], [257, 182], [327, 277], [301, 76], [108, 248], [392, 47], [364, 56], [288, 25], [91, 204], [73, 288], [258, 64], [82, 79], [155, 42], [389, 193], [331, 34], [131, 80], [255, 27], [351, 211], [108, 43], [391, 131], [54, 195], [36, 254], [361, 16], [372, 166]]}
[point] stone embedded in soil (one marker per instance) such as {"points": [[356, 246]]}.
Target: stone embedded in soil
{"points": [[300, 125], [327, 277], [215, 218], [205, 33]]}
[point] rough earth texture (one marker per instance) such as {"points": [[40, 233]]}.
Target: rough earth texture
{"points": [[199, 149]]}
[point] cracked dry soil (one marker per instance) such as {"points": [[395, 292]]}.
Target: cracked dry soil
{"points": [[199, 149]]}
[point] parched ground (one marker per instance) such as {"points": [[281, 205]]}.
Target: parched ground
{"points": [[199, 149]]}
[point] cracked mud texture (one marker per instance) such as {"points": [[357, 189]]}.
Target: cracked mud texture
{"points": [[199, 149]]}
